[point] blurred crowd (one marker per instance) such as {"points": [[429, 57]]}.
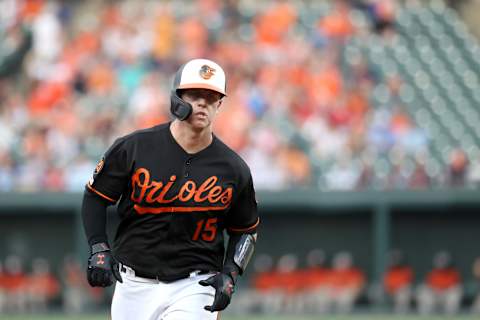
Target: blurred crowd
{"points": [[318, 287], [74, 75], [39, 288]]}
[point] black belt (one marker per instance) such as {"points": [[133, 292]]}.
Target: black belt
{"points": [[164, 278]]}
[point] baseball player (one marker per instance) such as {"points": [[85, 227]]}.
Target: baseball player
{"points": [[178, 188]]}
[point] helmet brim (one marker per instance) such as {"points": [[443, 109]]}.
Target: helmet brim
{"points": [[201, 86]]}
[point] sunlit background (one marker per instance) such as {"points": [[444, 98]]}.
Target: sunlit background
{"points": [[360, 121]]}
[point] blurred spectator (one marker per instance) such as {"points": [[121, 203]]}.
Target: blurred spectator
{"points": [[6, 171], [406, 134], [315, 279], [297, 165], [400, 122], [264, 278], [474, 173], [457, 169], [398, 176], [366, 179], [394, 84], [274, 23], [265, 295], [290, 283], [476, 275], [345, 283], [260, 154], [75, 287], [419, 178], [380, 136], [15, 44], [337, 25], [42, 287], [381, 14], [398, 282], [97, 70], [48, 35], [3, 292], [15, 284], [442, 289], [344, 174]]}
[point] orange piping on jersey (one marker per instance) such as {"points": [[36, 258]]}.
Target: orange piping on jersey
{"points": [[100, 194], [245, 229], [144, 210]]}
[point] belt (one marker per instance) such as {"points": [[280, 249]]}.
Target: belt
{"points": [[140, 274]]}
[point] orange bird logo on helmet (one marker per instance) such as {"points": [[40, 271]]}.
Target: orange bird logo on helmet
{"points": [[206, 72]]}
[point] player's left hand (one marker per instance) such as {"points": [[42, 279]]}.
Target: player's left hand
{"points": [[224, 288]]}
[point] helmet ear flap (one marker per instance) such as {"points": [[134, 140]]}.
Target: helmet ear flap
{"points": [[178, 107]]}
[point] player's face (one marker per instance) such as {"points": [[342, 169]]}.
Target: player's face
{"points": [[205, 104]]}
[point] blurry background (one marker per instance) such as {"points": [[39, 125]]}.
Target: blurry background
{"points": [[359, 120]]}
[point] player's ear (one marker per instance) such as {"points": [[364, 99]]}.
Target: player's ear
{"points": [[219, 105]]}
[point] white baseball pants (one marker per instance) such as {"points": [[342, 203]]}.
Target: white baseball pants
{"points": [[148, 299]]}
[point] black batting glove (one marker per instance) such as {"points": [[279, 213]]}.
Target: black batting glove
{"points": [[102, 267], [224, 287]]}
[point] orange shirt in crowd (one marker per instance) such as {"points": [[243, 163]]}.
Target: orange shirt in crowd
{"points": [[235, 133], [442, 279], [163, 34], [290, 282], [400, 123], [296, 164], [2, 281], [43, 285], [46, 95], [326, 85], [101, 78], [265, 281], [397, 278], [337, 24], [193, 36], [30, 9], [357, 104], [13, 283], [351, 278], [314, 278], [274, 24]]}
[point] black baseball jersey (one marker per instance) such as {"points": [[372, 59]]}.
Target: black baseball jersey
{"points": [[174, 206]]}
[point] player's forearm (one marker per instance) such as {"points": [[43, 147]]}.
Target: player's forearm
{"points": [[94, 211], [240, 249], [229, 265]]}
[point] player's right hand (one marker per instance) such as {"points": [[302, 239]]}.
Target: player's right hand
{"points": [[102, 268]]}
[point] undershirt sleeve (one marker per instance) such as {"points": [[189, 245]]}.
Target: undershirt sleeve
{"points": [[243, 216], [94, 216]]}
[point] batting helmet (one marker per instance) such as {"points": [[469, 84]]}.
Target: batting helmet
{"points": [[195, 74]]}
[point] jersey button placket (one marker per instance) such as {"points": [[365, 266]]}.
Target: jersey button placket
{"points": [[187, 164]]}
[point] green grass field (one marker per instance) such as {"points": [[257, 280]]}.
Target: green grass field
{"points": [[323, 317]]}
